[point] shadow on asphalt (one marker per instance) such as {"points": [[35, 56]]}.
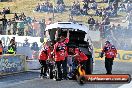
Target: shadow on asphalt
{"points": [[19, 77]]}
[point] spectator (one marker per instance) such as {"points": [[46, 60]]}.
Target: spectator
{"points": [[28, 20], [94, 5], [122, 7], [35, 28], [47, 4], [86, 1], [22, 16], [7, 11], [115, 6], [20, 27], [71, 18], [9, 32], [84, 11], [34, 46], [91, 20], [109, 7], [74, 4], [78, 5], [4, 24], [14, 23], [75, 10], [113, 13], [60, 2], [85, 6], [16, 16], [97, 24], [115, 3], [3, 11], [14, 40], [104, 13], [9, 23], [37, 7], [50, 8], [106, 21], [42, 7], [26, 43], [60, 8], [98, 12], [129, 6], [12, 47]]}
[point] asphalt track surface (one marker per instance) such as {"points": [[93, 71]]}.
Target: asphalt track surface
{"points": [[30, 79]]}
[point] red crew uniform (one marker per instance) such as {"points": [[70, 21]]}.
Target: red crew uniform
{"points": [[60, 51], [110, 53], [80, 55], [82, 59], [43, 56]]}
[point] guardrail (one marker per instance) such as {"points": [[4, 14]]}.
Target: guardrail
{"points": [[10, 64]]}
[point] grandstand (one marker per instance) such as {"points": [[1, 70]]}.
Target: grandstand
{"points": [[28, 6]]}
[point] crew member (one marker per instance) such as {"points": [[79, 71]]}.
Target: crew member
{"points": [[43, 56], [110, 53], [60, 51], [82, 59]]}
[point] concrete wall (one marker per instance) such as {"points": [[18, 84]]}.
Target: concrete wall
{"points": [[12, 64]]}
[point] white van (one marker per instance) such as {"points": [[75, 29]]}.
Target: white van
{"points": [[78, 37]]}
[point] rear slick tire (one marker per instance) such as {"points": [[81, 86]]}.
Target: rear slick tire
{"points": [[82, 80]]}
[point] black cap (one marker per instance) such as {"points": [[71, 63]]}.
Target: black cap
{"points": [[107, 42]]}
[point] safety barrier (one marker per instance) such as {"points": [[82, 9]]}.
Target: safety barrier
{"points": [[10, 64], [33, 64], [122, 56]]}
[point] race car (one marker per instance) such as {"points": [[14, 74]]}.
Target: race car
{"points": [[79, 37]]}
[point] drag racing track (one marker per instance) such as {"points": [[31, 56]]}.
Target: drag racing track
{"points": [[30, 79]]}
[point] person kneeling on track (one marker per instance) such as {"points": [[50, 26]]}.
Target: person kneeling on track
{"points": [[82, 59], [43, 56]]}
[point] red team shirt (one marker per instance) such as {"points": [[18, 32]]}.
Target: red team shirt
{"points": [[110, 51], [60, 50], [44, 53], [81, 56]]}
